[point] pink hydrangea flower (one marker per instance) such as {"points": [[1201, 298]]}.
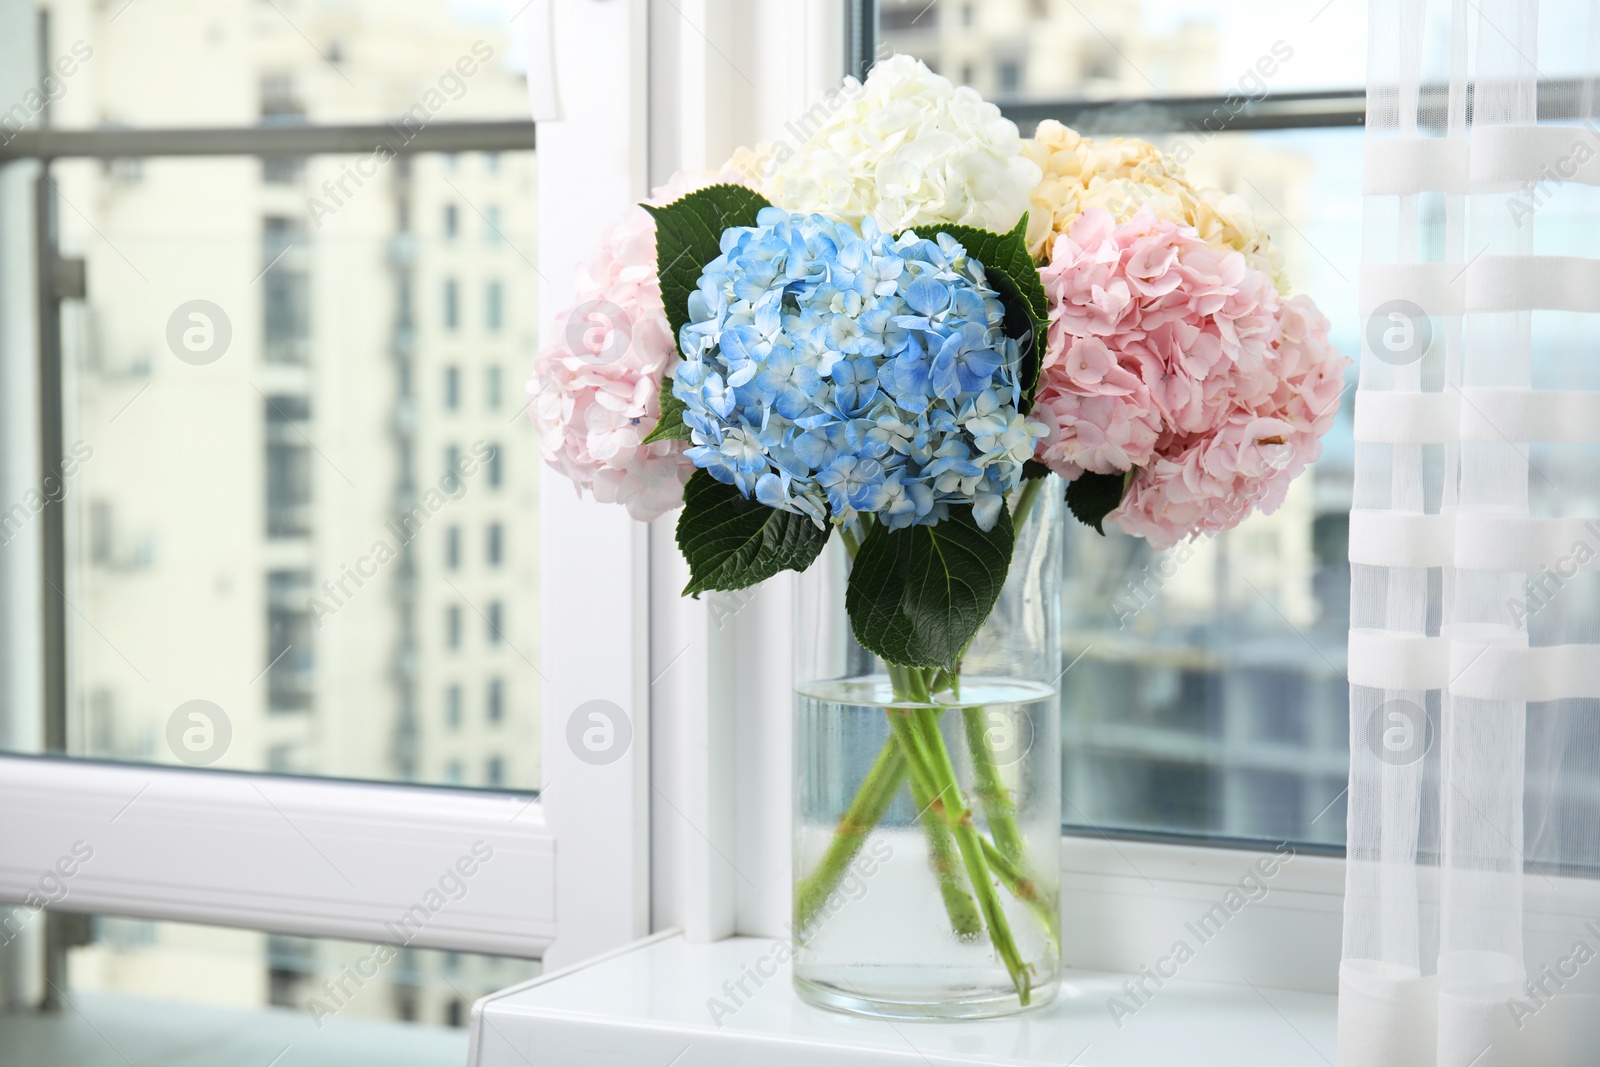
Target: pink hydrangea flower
{"points": [[596, 387], [1213, 483], [1175, 359]]}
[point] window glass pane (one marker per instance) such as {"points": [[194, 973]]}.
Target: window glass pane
{"points": [[413, 63], [207, 996], [276, 549], [1206, 691], [1203, 690], [1105, 49]]}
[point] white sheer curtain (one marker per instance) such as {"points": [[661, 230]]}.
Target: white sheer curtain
{"points": [[1472, 915]]}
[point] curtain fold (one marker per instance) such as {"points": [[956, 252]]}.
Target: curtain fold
{"points": [[1472, 910]]}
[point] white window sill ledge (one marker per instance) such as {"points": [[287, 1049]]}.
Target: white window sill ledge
{"points": [[647, 1005]]}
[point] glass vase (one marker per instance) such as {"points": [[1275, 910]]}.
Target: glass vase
{"points": [[927, 814]]}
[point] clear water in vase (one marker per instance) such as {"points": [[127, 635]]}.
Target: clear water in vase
{"points": [[878, 929]]}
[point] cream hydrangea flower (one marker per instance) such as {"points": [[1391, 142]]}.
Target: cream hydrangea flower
{"points": [[906, 149], [1121, 176]]}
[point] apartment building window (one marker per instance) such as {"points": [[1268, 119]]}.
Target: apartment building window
{"points": [[496, 622], [493, 387], [494, 538], [452, 304], [286, 290], [289, 457], [452, 467], [452, 627], [289, 640], [102, 533], [452, 222], [1010, 75], [290, 960], [491, 162], [452, 547], [283, 170], [494, 775], [491, 223], [1101, 64], [452, 707], [452, 388], [280, 103], [495, 700], [494, 313], [493, 467], [922, 16]]}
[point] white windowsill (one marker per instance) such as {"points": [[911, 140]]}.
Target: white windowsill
{"points": [[647, 1004]]}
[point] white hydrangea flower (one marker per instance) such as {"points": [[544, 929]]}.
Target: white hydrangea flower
{"points": [[907, 149]]}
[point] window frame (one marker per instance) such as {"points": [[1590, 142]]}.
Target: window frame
{"points": [[253, 850]]}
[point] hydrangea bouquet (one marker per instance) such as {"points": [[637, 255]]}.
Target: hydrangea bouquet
{"points": [[894, 334]]}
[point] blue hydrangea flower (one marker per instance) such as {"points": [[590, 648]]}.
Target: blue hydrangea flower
{"points": [[837, 374]]}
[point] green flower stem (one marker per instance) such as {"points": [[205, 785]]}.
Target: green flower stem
{"points": [[998, 807], [917, 752], [852, 544], [1020, 886], [942, 852], [1025, 500], [866, 811], [930, 743]]}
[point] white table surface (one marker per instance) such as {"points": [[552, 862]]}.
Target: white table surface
{"points": [[647, 1005]]}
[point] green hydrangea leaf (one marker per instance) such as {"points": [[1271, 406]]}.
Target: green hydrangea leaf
{"points": [[918, 594], [731, 542], [689, 235], [1012, 273], [1091, 497], [1032, 469], [670, 426]]}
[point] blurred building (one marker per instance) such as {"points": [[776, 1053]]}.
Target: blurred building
{"points": [[326, 530], [1010, 49]]}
